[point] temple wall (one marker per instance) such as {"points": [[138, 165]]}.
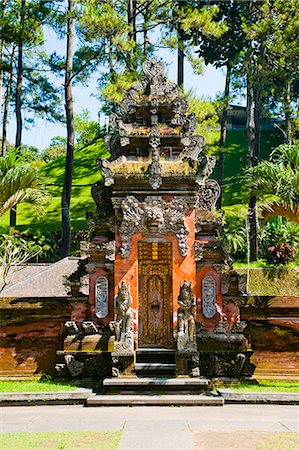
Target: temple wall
{"points": [[31, 329], [31, 332]]}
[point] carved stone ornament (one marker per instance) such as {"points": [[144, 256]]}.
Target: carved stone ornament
{"points": [[180, 108], [207, 195], [193, 146], [106, 167], [239, 327], [89, 328], [198, 247], [153, 217], [222, 327], [154, 73], [122, 326], [189, 125], [206, 166], [71, 328], [155, 175], [101, 297], [76, 368], [208, 297], [186, 323]]}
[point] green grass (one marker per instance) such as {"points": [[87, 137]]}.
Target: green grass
{"points": [[262, 264], [85, 440], [267, 386], [34, 386], [85, 174], [235, 163]]}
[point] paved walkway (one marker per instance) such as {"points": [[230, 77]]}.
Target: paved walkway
{"points": [[157, 428]]}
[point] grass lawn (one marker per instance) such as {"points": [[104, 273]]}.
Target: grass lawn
{"points": [[267, 386], [85, 440], [34, 386]]}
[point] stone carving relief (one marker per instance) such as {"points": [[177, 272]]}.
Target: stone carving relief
{"points": [[76, 368], [207, 195], [180, 108], [101, 297], [233, 364], [106, 167], [153, 217], [186, 323], [193, 147], [71, 328], [122, 326], [155, 170], [189, 125], [154, 72], [206, 166], [199, 248], [89, 328], [208, 297]]}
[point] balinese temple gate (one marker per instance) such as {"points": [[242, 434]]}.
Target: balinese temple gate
{"points": [[163, 299]]}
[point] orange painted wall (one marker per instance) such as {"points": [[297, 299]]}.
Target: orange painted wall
{"points": [[126, 269]]}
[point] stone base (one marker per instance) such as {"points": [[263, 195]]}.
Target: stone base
{"points": [[184, 343]]}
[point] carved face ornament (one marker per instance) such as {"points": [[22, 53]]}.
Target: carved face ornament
{"points": [[154, 219]]}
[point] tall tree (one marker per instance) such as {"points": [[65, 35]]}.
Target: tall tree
{"points": [[18, 97], [223, 51], [67, 186]]}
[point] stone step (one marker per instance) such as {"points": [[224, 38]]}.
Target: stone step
{"points": [[154, 381], [155, 384], [152, 367], [155, 355], [154, 399]]}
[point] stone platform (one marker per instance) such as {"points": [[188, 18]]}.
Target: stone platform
{"points": [[155, 399], [155, 391]]}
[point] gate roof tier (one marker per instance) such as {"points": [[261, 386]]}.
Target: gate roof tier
{"points": [[153, 113]]}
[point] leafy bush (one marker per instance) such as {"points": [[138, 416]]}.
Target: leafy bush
{"points": [[279, 236], [49, 243], [280, 254], [233, 233]]}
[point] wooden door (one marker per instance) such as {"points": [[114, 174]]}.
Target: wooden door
{"points": [[155, 294]]}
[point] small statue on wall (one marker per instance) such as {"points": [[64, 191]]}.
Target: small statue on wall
{"points": [[123, 324], [186, 322]]}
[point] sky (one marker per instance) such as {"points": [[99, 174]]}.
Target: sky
{"points": [[209, 84]]}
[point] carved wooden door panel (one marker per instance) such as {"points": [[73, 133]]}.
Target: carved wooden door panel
{"points": [[155, 294]]}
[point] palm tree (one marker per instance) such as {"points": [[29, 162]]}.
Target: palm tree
{"points": [[276, 183], [19, 182]]}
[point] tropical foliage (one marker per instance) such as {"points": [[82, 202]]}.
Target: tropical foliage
{"points": [[277, 182], [20, 182]]}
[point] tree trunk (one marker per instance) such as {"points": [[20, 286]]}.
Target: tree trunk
{"points": [[145, 33], [252, 207], [67, 187], [181, 54], [18, 102], [180, 66], [2, 46], [132, 6], [223, 125], [287, 111], [6, 104]]}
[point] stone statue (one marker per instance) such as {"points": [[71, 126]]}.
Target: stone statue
{"points": [[124, 313], [186, 313]]}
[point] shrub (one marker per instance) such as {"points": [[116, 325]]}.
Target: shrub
{"points": [[277, 233], [280, 254]]}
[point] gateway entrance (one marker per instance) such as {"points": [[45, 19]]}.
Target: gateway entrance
{"points": [[155, 294]]}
